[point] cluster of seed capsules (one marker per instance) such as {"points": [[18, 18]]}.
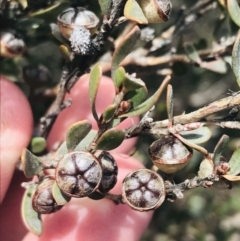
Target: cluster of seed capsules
{"points": [[81, 174]]}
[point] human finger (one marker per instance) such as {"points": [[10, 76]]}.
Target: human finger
{"points": [[15, 131]]}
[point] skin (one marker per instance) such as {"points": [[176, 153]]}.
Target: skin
{"points": [[16, 123], [80, 218], [81, 108]]}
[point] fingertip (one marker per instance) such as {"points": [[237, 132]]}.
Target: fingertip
{"points": [[16, 129]]}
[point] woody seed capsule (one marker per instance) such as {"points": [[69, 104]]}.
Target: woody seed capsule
{"points": [[78, 174], [110, 171], [143, 190], [43, 201]]}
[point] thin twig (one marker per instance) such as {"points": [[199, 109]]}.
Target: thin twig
{"points": [[48, 120], [174, 191], [200, 115], [143, 60]]}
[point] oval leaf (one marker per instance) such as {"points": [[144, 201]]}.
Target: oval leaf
{"points": [[124, 48], [32, 165], [132, 83], [105, 5], [30, 217], [86, 141], [146, 105], [234, 163], [120, 75], [136, 97], [197, 136], [133, 11], [236, 58], [109, 113], [76, 132], [234, 11], [60, 198], [95, 76], [38, 144], [219, 148], [110, 139]]}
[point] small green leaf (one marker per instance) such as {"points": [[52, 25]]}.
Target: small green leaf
{"points": [[119, 76], [38, 144], [86, 141], [222, 143], [136, 97], [236, 58], [105, 5], [76, 132], [197, 136], [95, 77], [234, 11], [234, 163], [110, 139], [123, 49], [30, 217], [132, 83], [116, 122], [133, 11], [60, 197], [192, 53], [109, 113], [146, 105], [32, 165]]}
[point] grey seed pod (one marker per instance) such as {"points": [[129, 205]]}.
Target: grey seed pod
{"points": [[110, 172], [71, 18], [143, 190], [11, 44], [169, 154], [78, 174], [43, 201]]}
